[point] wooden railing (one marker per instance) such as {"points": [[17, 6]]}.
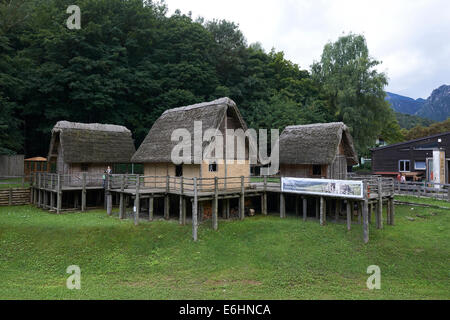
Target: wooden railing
{"points": [[423, 189]]}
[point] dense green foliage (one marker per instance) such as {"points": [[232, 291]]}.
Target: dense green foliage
{"points": [[130, 61], [355, 91], [420, 131], [258, 258], [408, 121]]}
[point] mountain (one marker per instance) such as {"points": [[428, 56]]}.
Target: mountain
{"points": [[404, 104], [437, 106]]}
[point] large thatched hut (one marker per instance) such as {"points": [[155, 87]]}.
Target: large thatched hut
{"points": [[321, 150], [88, 147], [156, 150]]}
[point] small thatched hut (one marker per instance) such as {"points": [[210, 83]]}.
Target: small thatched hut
{"points": [[322, 150], [220, 115], [82, 147]]}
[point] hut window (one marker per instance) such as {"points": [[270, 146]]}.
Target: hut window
{"points": [[38, 165], [317, 170], [84, 167], [212, 167], [403, 165], [179, 171]]}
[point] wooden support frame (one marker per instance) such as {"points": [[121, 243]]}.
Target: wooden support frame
{"points": [[194, 213], [323, 215], [151, 208], [349, 214], [83, 192], [282, 206], [215, 205]]}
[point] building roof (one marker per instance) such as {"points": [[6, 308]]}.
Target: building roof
{"points": [[36, 159], [316, 144], [157, 146], [93, 142], [411, 141]]}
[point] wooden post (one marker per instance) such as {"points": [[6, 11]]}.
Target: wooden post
{"points": [[379, 219], [242, 201], [305, 208], [392, 211], [215, 205], [109, 203], [59, 196], [39, 191], [349, 214], [52, 200], [194, 212], [137, 201], [121, 200], [150, 208], [282, 206], [83, 193], [323, 216], [166, 207], [365, 215], [181, 219], [264, 203], [10, 197]]}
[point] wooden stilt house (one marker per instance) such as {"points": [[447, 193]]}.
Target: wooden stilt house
{"points": [[91, 148], [322, 150]]}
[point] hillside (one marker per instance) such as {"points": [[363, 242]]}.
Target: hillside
{"points": [[437, 106], [408, 121], [258, 258], [404, 104]]}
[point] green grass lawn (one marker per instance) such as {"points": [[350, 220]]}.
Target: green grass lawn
{"points": [[258, 258], [12, 183]]}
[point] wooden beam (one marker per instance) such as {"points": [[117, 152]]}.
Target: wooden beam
{"points": [[282, 206], [109, 203], [182, 210], [59, 195], [305, 208], [215, 205], [121, 206], [137, 201], [167, 207], [83, 192], [194, 212], [150, 208], [365, 215], [323, 216], [242, 200]]}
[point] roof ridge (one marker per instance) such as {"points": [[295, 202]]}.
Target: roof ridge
{"points": [[64, 124], [223, 100]]}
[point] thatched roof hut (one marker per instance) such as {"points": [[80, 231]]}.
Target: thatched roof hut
{"points": [[157, 146], [91, 143], [327, 144], [316, 144]]}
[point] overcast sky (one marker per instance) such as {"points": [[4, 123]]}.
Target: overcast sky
{"points": [[410, 37]]}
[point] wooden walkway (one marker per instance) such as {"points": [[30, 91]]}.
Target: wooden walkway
{"points": [[48, 189]]}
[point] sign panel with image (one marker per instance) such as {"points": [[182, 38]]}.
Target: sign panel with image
{"points": [[325, 187]]}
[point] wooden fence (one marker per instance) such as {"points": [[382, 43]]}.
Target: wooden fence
{"points": [[14, 196], [11, 165], [423, 189]]}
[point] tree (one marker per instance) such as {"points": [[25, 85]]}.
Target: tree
{"points": [[355, 90]]}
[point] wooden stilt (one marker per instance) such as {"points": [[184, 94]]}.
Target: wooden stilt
{"points": [[59, 195], [83, 192], [109, 203], [379, 219], [242, 200], [264, 203], [150, 208], [282, 206], [166, 207], [137, 201], [121, 206], [194, 212], [305, 208], [227, 205], [323, 216], [215, 205], [365, 215]]}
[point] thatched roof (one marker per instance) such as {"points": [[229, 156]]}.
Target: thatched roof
{"points": [[157, 146], [316, 144], [93, 142]]}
